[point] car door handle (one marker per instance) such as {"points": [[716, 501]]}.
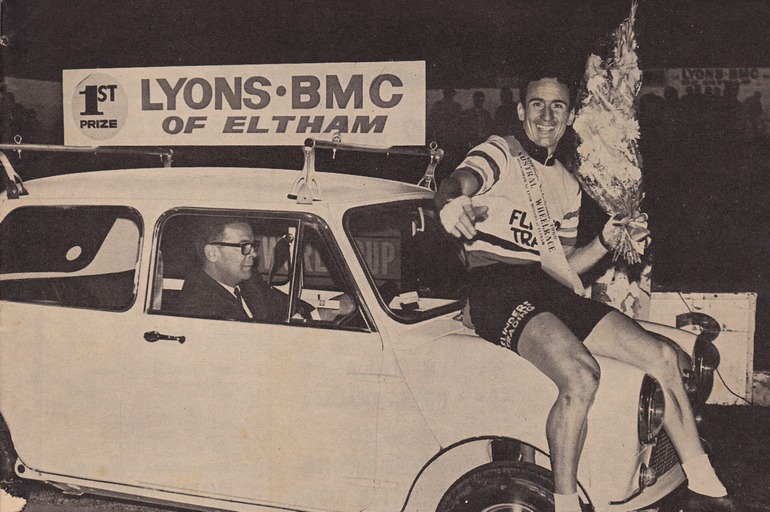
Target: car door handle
{"points": [[153, 336]]}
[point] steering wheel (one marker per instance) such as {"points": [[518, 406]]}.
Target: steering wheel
{"points": [[348, 310], [344, 319]]}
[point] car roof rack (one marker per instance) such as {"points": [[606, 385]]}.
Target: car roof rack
{"points": [[306, 190], [14, 185]]}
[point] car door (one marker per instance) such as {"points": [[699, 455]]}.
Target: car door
{"points": [[280, 412], [68, 279]]}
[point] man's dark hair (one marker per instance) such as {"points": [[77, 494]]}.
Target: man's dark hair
{"points": [[569, 75], [211, 229]]}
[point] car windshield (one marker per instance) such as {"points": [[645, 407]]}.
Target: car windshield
{"points": [[417, 269]]}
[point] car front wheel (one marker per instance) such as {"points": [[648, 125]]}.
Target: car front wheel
{"points": [[502, 486]]}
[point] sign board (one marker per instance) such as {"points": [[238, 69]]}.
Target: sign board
{"points": [[718, 77], [377, 103], [747, 81], [730, 317]]}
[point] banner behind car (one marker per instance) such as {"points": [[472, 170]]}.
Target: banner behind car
{"points": [[380, 103]]}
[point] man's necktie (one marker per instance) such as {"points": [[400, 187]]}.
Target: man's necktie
{"points": [[244, 307]]}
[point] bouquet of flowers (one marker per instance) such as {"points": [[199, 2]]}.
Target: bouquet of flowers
{"points": [[609, 161]]}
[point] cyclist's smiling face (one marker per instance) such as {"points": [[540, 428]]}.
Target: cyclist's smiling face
{"points": [[545, 112]]}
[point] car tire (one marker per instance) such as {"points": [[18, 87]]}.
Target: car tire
{"points": [[502, 486], [9, 482]]}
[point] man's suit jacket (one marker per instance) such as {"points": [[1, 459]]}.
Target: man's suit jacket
{"points": [[204, 297]]}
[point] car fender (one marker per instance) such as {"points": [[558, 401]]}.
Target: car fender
{"points": [[684, 339], [470, 391], [466, 387]]}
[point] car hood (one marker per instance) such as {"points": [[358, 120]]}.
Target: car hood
{"points": [[494, 390], [467, 388]]}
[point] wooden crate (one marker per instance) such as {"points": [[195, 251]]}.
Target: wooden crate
{"points": [[735, 315]]}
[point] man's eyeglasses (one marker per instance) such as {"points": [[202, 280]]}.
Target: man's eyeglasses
{"points": [[246, 247]]}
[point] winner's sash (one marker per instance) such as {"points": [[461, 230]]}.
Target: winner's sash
{"points": [[552, 258]]}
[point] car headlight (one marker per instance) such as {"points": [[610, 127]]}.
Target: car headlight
{"points": [[651, 407]]}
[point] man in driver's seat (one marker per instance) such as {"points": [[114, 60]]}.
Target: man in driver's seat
{"points": [[226, 286]]}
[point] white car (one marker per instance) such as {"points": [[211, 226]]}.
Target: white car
{"points": [[107, 387]]}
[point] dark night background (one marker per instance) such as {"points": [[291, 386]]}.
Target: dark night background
{"points": [[707, 191], [465, 43], [708, 187]]}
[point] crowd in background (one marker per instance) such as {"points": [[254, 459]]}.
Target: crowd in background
{"points": [[19, 120], [702, 113], [456, 130]]}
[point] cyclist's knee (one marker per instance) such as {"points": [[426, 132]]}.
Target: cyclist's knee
{"points": [[665, 363], [582, 383]]}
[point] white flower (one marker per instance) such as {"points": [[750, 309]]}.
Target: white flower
{"points": [[610, 171]]}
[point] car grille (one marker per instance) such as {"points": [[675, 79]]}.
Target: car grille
{"points": [[664, 456]]}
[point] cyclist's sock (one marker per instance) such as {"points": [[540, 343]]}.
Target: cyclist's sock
{"points": [[566, 502]]}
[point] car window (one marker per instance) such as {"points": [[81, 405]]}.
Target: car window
{"points": [[322, 281], [198, 269], [78, 256], [418, 270]]}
